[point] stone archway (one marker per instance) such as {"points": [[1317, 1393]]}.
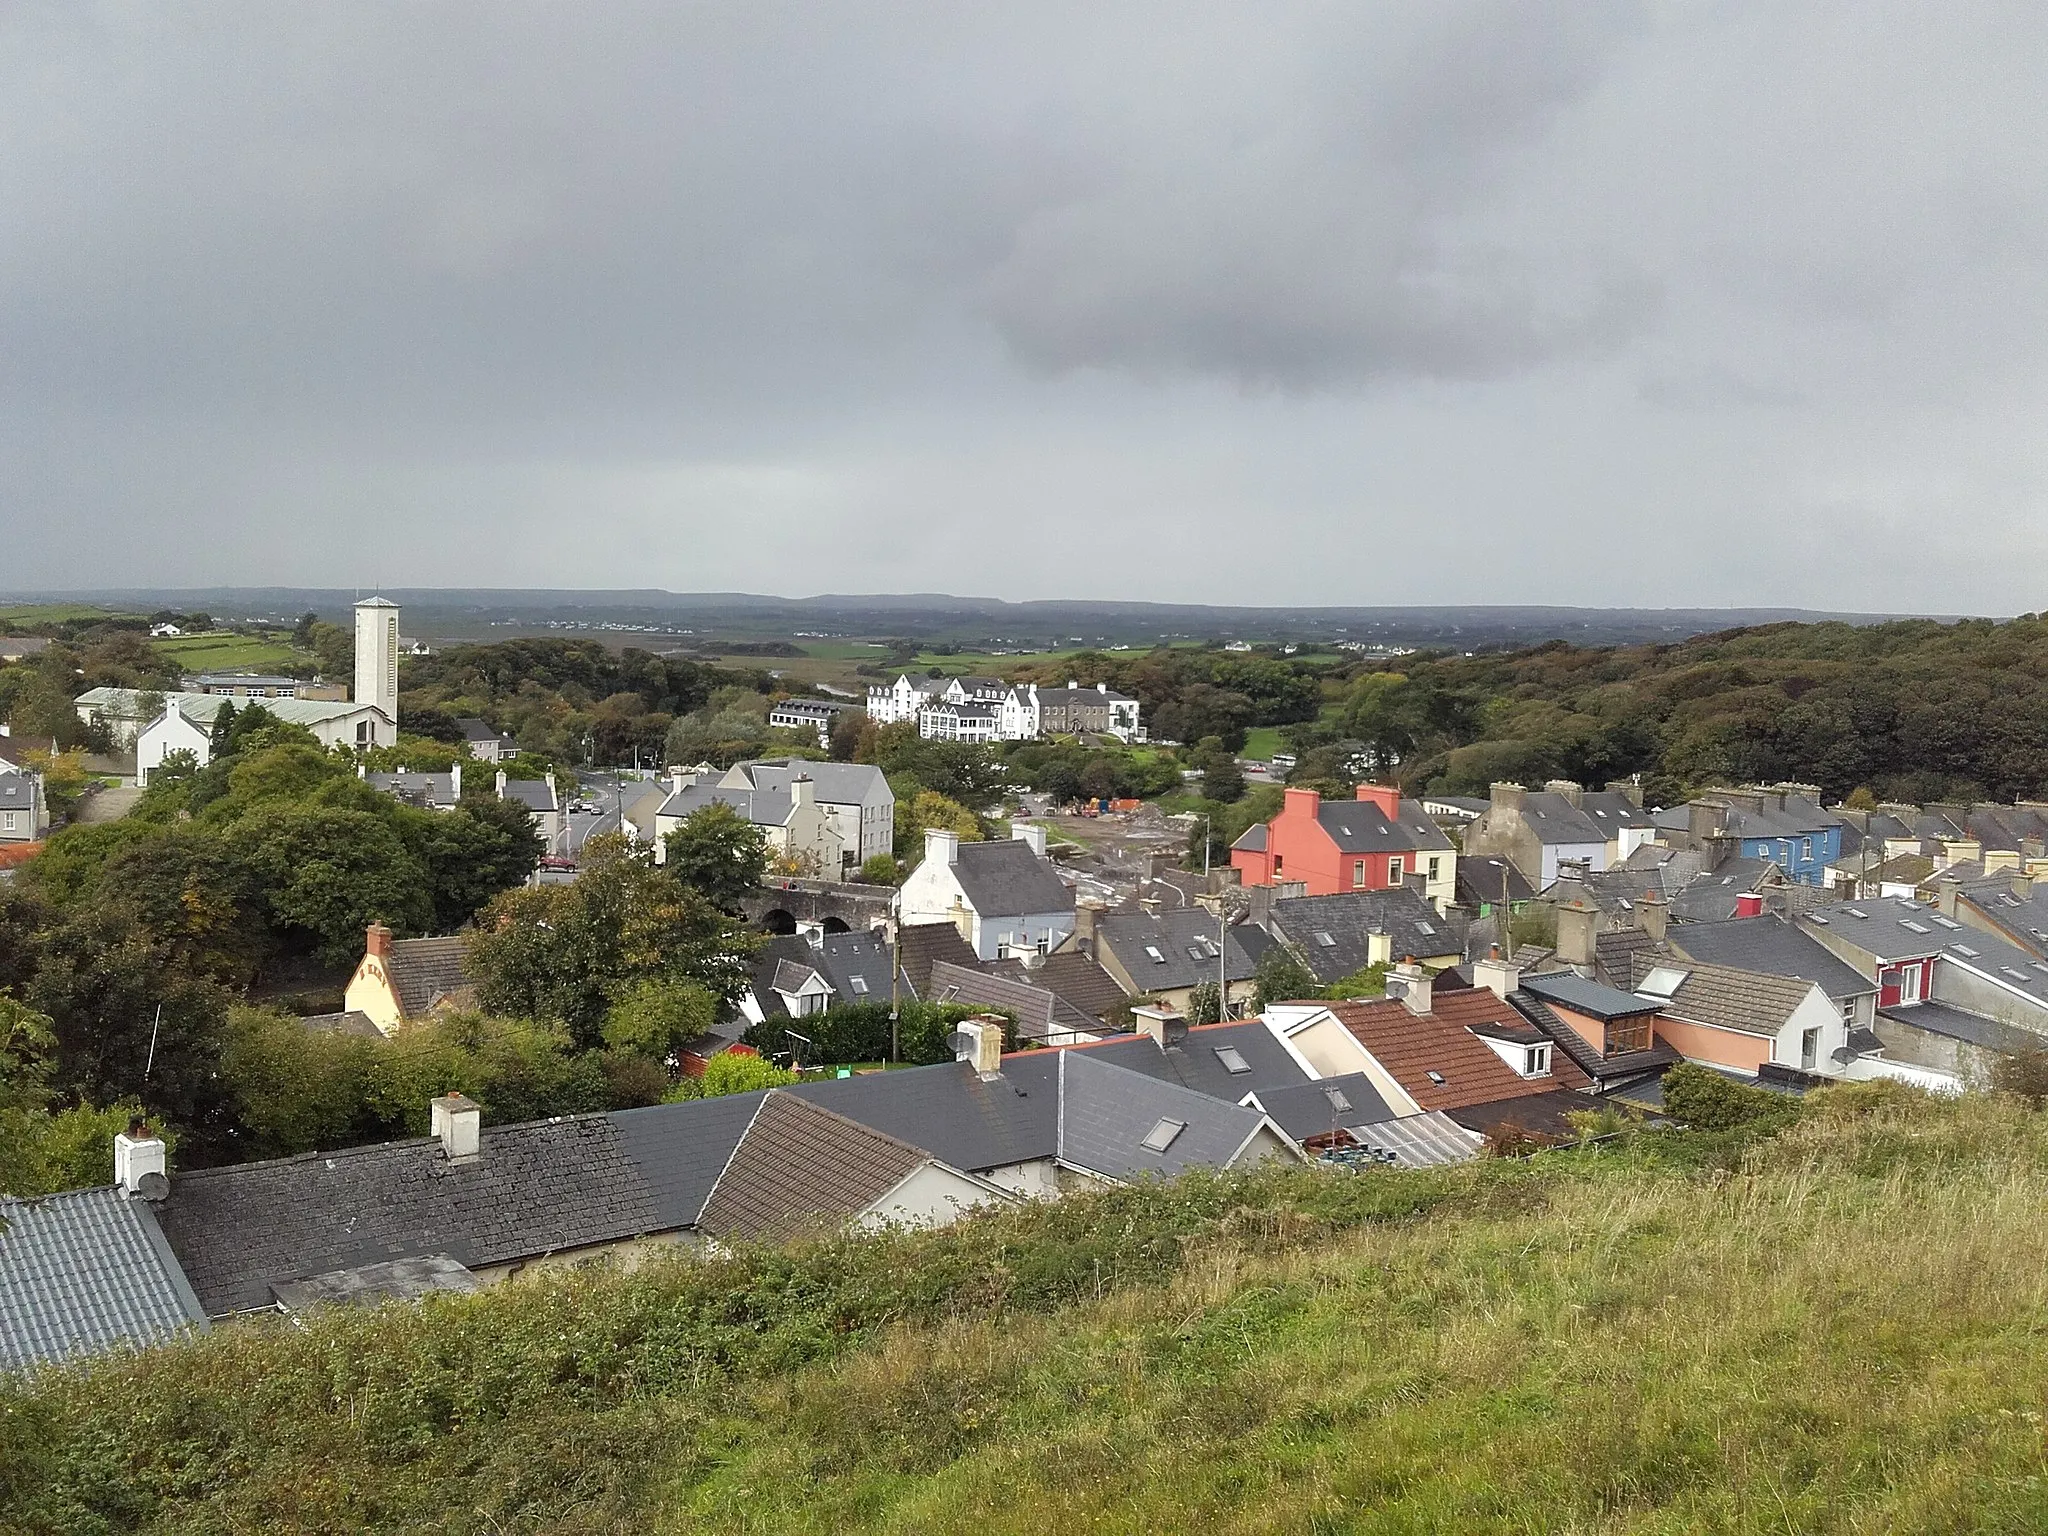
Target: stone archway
{"points": [[778, 920]]}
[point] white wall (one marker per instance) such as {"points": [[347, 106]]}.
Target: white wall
{"points": [[930, 1195]]}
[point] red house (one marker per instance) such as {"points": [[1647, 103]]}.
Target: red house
{"points": [[1371, 843]]}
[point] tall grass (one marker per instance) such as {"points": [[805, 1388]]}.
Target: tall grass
{"points": [[1840, 1329]]}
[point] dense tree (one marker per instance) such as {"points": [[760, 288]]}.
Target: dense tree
{"points": [[732, 1072], [1281, 976], [1222, 779], [718, 854], [325, 875]]}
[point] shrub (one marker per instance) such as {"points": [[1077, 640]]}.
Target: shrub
{"points": [[1704, 1100]]}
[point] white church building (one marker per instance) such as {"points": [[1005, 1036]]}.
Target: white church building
{"points": [[185, 722]]}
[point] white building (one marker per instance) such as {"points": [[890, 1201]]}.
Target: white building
{"points": [[807, 715], [945, 720], [377, 649], [1004, 897], [855, 797], [902, 699], [186, 724]]}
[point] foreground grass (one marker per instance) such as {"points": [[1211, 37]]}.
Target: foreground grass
{"points": [[1841, 1329]]}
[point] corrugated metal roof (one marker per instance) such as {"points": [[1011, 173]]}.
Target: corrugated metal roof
{"points": [[84, 1272], [1420, 1141]]}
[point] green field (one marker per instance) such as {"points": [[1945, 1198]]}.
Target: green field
{"points": [[1839, 1330], [227, 653], [28, 615], [1261, 742]]}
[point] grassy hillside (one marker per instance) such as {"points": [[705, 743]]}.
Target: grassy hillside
{"points": [[1840, 1329]]}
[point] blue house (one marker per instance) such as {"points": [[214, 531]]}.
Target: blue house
{"points": [[1783, 826]]}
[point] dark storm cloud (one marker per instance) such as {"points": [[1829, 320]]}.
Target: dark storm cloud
{"points": [[596, 295]]}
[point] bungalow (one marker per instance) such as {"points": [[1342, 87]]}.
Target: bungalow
{"points": [[184, 721], [1375, 842]]}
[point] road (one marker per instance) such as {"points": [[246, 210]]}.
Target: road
{"points": [[598, 790]]}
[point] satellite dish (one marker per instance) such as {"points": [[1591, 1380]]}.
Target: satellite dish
{"points": [[153, 1186]]}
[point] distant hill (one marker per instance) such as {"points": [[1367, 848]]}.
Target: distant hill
{"points": [[473, 613]]}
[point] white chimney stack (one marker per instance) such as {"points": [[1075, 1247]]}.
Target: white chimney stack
{"points": [[1162, 1026], [981, 1045], [1498, 976], [139, 1162], [459, 1123], [1416, 985], [941, 846], [1030, 833]]}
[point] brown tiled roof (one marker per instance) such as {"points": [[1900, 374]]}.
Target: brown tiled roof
{"points": [[1075, 977], [1412, 1046], [919, 944], [801, 1167], [1725, 998], [1614, 955], [430, 972]]}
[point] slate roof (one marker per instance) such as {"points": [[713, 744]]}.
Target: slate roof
{"points": [[780, 950], [918, 945], [1329, 1104], [391, 1280], [801, 1167], [1004, 878], [1412, 925], [681, 1149], [1040, 1014], [950, 1112], [1074, 976], [857, 965], [1479, 881], [1252, 839], [1359, 826], [428, 972], [1199, 1062], [1799, 816], [534, 1188], [1587, 997], [474, 729], [1878, 927], [1556, 822], [1106, 1112], [1710, 896], [1543, 1114], [200, 708], [1970, 1028], [1611, 811], [1414, 1046], [1135, 938], [1725, 998], [793, 976], [2022, 919], [1771, 946], [832, 783], [430, 791], [1614, 955], [758, 807], [84, 1272], [534, 794]]}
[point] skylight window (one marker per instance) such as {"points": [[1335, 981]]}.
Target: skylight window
{"points": [[1819, 917], [1337, 1100], [1195, 952], [1907, 922], [1153, 951], [1946, 922], [1162, 1135], [860, 985], [1964, 950], [1856, 912], [1436, 1077], [1422, 927], [1662, 981], [1325, 940], [2015, 973], [1233, 1060]]}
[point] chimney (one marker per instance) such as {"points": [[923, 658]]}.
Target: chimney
{"points": [[941, 846], [1653, 914], [139, 1161], [979, 1043], [1630, 789], [1102, 687], [1416, 985], [802, 790], [1159, 1024], [1946, 891], [1379, 946], [1508, 797], [1573, 792], [455, 778], [1577, 927], [1706, 818], [1386, 796], [1749, 904], [1298, 802], [1030, 833], [459, 1123], [377, 942], [1084, 927], [1498, 976], [1262, 906]]}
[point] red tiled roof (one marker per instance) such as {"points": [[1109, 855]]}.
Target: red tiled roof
{"points": [[1411, 1046]]}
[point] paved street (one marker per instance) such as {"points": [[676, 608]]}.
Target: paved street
{"points": [[601, 792]]}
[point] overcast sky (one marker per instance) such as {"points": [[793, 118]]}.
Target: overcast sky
{"points": [[1680, 304]]}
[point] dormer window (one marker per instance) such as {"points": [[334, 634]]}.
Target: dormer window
{"points": [[1537, 1062]]}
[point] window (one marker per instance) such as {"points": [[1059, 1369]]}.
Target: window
{"points": [[1195, 952], [1153, 951], [1233, 1060], [1394, 869], [1435, 864], [860, 986], [1435, 1077], [1849, 1011], [1538, 1061], [1423, 927], [1358, 871], [7, 821], [1908, 923], [1630, 1034], [1809, 1050], [1964, 950], [1946, 922], [1337, 1100], [1162, 1135], [1325, 940]]}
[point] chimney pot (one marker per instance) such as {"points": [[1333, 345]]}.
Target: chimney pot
{"points": [[458, 1122]]}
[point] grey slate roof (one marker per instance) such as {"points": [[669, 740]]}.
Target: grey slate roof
{"points": [[857, 965], [919, 945], [832, 783], [948, 1111], [84, 1272], [682, 1148], [1412, 924], [474, 729], [1039, 1013], [391, 1280], [430, 791], [1710, 896], [1587, 997], [782, 949], [1198, 1062], [2023, 919], [1557, 822], [1480, 876], [1074, 976], [1971, 1028], [1878, 927], [535, 1188], [1329, 1104], [1252, 839], [1185, 945], [758, 807], [1771, 946], [1106, 1112], [534, 794], [429, 971], [1004, 878], [353, 1022], [1359, 826]]}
